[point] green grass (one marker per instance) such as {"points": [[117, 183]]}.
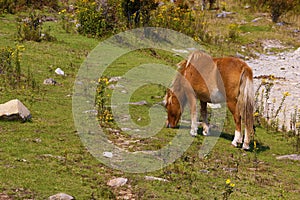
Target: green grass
{"points": [[46, 156]]}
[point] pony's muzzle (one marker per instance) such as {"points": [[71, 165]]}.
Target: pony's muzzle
{"points": [[169, 125]]}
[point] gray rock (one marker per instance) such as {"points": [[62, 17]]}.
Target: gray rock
{"points": [[108, 154], [230, 169], [224, 14], [140, 103], [117, 182], [49, 81], [115, 79], [256, 19], [290, 157], [14, 110], [205, 171], [61, 196], [59, 71], [152, 178], [5, 197]]}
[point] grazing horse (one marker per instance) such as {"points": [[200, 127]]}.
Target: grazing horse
{"points": [[213, 80]]}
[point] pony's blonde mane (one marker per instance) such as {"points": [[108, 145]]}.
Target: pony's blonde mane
{"points": [[177, 84]]}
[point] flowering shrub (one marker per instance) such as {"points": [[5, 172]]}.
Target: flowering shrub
{"points": [[31, 28], [229, 186], [267, 114], [184, 20], [67, 20], [12, 6], [137, 11], [234, 32], [10, 70], [102, 98], [277, 7], [96, 19]]}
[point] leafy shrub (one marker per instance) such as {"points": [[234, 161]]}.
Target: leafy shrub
{"points": [[277, 8], [67, 20], [102, 99], [12, 6], [10, 70], [233, 33], [31, 29], [137, 11], [98, 19], [280, 7], [181, 19]]}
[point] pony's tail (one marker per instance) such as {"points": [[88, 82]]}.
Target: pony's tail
{"points": [[246, 99]]}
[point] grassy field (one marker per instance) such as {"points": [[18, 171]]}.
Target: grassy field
{"points": [[45, 156]]}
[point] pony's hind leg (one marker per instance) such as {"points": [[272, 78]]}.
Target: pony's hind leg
{"points": [[204, 118], [238, 136], [246, 144]]}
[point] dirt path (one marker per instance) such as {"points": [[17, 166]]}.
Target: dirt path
{"points": [[285, 67]]}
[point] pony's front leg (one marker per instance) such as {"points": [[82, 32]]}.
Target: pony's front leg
{"points": [[204, 118], [194, 116]]}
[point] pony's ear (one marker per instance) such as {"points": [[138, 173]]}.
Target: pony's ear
{"points": [[181, 64], [168, 97]]}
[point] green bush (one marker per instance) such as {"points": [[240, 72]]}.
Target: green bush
{"points": [[138, 11], [181, 19], [31, 29], [280, 7], [96, 19], [10, 70], [13, 6], [277, 8]]}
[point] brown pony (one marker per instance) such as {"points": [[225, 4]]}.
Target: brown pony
{"points": [[213, 80]]}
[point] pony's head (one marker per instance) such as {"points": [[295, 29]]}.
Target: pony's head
{"points": [[173, 109]]}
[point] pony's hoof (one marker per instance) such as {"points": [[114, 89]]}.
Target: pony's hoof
{"points": [[205, 133], [193, 133], [234, 144], [246, 147]]}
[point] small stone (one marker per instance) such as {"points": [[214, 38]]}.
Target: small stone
{"points": [[126, 129], [61, 196], [37, 140], [230, 169], [290, 157], [140, 103], [152, 178], [224, 14], [256, 19], [59, 71], [117, 182], [115, 79], [5, 197], [204, 171], [49, 81], [108, 154]]}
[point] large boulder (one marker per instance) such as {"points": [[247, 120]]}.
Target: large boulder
{"points": [[14, 110]]}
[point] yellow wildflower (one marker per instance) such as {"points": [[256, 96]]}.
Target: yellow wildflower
{"points": [[272, 77], [228, 181], [20, 47], [286, 94], [232, 185]]}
